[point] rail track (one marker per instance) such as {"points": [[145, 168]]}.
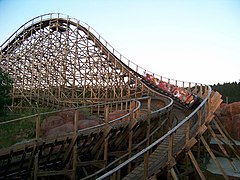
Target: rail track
{"points": [[60, 62]]}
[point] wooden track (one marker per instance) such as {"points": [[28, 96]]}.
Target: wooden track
{"points": [[59, 62], [159, 157]]}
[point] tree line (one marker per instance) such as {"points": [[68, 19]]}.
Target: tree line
{"points": [[230, 91]]}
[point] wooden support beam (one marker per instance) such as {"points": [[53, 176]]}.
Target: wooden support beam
{"points": [[54, 173], [130, 135], [97, 163], [74, 163], [213, 157], [173, 173], [226, 137], [218, 142], [146, 155], [190, 154], [69, 150], [190, 143], [202, 130], [105, 153], [186, 172], [37, 127], [35, 167]]}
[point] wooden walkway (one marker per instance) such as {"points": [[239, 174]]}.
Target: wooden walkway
{"points": [[102, 74], [159, 157]]}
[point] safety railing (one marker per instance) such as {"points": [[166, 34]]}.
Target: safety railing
{"points": [[187, 87], [27, 128], [117, 54], [190, 131], [196, 88]]}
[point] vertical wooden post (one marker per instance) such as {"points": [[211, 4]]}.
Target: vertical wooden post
{"points": [[74, 151], [38, 127], [119, 172], [170, 147], [76, 122], [136, 83], [105, 156], [187, 131], [146, 155], [200, 91], [130, 134], [148, 120], [35, 166], [74, 162]]}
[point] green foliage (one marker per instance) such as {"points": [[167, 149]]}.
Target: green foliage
{"points": [[5, 87], [230, 91]]}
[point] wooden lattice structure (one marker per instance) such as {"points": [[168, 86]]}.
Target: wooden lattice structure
{"points": [[55, 60], [58, 61]]}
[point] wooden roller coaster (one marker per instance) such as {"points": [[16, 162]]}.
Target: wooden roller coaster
{"points": [[62, 63]]}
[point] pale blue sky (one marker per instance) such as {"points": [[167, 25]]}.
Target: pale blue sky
{"points": [[197, 41]]}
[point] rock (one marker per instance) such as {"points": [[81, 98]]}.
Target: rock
{"points": [[69, 115], [116, 114], [236, 126], [51, 122], [231, 109], [62, 123], [87, 123], [229, 115], [60, 130], [69, 126]]}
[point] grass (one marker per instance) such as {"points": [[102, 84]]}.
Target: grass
{"points": [[23, 130]]}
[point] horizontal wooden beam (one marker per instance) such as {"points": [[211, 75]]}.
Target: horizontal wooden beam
{"points": [[97, 163]]}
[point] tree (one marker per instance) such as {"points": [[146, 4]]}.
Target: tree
{"points": [[230, 91], [5, 88]]}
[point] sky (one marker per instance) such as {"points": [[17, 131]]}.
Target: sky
{"points": [[193, 41]]}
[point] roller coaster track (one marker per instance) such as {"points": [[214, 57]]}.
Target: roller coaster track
{"points": [[62, 63]]}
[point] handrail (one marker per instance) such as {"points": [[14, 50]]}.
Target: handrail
{"points": [[157, 141], [89, 106], [121, 57], [131, 65]]}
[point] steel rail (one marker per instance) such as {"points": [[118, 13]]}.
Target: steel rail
{"points": [[157, 141]]}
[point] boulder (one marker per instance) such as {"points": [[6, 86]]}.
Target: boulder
{"points": [[69, 115], [69, 126], [51, 122], [62, 123], [229, 115], [60, 130], [87, 123], [117, 114]]}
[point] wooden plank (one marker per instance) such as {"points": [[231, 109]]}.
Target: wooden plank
{"points": [[227, 137], [196, 165], [74, 163], [146, 165], [54, 173], [190, 143], [218, 141], [97, 163], [173, 173], [35, 167], [213, 157], [202, 130]]}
